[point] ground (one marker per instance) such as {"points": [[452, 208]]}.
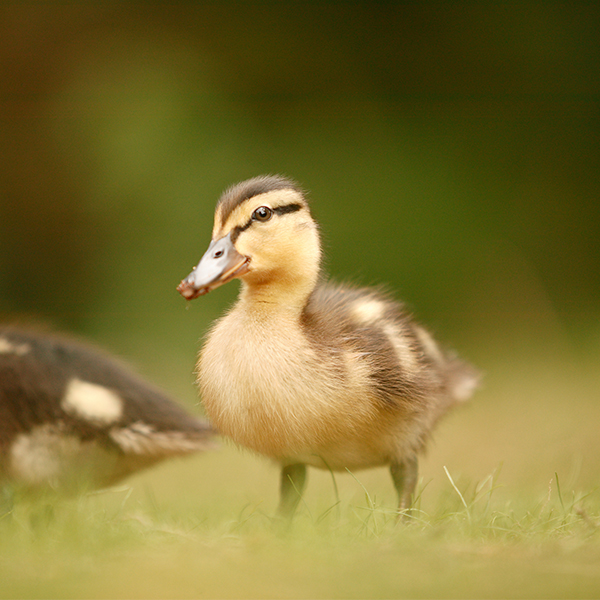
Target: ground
{"points": [[509, 507]]}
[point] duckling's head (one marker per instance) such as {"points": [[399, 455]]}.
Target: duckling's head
{"points": [[264, 235]]}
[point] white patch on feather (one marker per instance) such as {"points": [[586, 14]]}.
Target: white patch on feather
{"points": [[403, 349], [429, 345], [92, 402], [8, 347], [50, 455], [368, 311], [143, 439], [39, 457]]}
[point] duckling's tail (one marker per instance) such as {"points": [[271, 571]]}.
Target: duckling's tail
{"points": [[459, 378], [462, 379]]}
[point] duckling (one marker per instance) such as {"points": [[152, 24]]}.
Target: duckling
{"points": [[311, 373], [73, 419]]}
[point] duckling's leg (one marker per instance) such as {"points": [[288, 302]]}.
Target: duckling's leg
{"points": [[405, 474], [293, 480]]}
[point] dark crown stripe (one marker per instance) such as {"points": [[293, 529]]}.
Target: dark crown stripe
{"points": [[241, 192], [279, 210]]}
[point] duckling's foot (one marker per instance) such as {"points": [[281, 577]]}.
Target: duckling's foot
{"points": [[293, 480], [405, 474]]}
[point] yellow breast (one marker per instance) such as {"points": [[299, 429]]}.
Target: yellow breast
{"points": [[274, 394]]}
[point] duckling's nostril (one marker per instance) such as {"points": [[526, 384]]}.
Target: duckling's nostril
{"points": [[218, 254]]}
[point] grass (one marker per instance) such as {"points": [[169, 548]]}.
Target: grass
{"points": [[467, 542], [508, 506]]}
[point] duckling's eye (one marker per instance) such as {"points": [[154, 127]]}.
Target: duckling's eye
{"points": [[262, 214]]}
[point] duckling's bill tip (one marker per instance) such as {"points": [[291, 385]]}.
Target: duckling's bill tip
{"points": [[189, 291]]}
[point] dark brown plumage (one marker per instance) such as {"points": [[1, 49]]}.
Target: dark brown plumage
{"points": [[73, 418]]}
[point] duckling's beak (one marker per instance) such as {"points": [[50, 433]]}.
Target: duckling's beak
{"points": [[221, 263]]}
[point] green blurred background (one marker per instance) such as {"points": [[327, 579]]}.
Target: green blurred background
{"points": [[451, 150]]}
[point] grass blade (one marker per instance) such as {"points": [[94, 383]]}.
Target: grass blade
{"points": [[559, 492], [458, 492]]}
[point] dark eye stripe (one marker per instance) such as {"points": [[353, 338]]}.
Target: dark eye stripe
{"points": [[287, 208], [280, 210]]}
